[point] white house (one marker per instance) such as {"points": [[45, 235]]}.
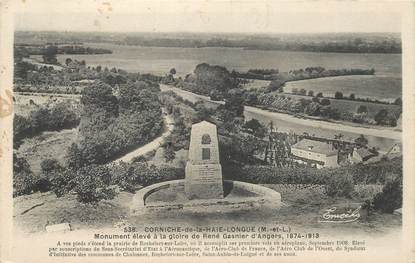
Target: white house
{"points": [[315, 153], [394, 151]]}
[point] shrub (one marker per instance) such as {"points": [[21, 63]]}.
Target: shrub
{"points": [[129, 176], [92, 184], [62, 181], [339, 185], [362, 109], [381, 116], [370, 173], [390, 198], [325, 102], [24, 181], [338, 95], [169, 153]]}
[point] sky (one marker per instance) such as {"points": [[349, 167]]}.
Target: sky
{"points": [[250, 16]]}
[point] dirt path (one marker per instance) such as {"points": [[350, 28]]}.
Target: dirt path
{"points": [[153, 145]]}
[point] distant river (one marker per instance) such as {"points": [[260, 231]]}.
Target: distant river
{"points": [[159, 60]]}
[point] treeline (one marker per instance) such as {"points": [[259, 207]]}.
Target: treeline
{"points": [[351, 45], [338, 95], [27, 50], [321, 107], [32, 78], [59, 116], [300, 74]]}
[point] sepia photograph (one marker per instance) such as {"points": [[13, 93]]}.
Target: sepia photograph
{"points": [[223, 131]]}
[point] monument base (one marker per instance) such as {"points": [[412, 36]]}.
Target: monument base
{"points": [[204, 181], [170, 196]]}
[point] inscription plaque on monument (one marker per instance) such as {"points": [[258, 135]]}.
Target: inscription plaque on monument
{"points": [[203, 170]]}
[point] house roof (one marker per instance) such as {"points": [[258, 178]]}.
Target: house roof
{"points": [[399, 145], [315, 146], [363, 152]]}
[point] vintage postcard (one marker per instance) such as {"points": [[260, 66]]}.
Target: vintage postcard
{"points": [[216, 131]]}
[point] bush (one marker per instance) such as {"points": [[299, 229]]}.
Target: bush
{"points": [[62, 180], [339, 185], [59, 116], [92, 184], [325, 102], [338, 95], [390, 198], [129, 176], [24, 181], [370, 173], [362, 109]]}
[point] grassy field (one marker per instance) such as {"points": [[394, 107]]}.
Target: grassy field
{"points": [[351, 105], [301, 209], [46, 145], [376, 87]]}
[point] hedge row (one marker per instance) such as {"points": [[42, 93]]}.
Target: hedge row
{"points": [[373, 173]]}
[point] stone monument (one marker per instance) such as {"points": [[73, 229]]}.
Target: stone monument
{"points": [[203, 171]]}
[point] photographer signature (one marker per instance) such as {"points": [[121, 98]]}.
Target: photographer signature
{"points": [[332, 215]]}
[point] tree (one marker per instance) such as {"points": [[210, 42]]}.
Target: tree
{"points": [[276, 85], [169, 153], [24, 181], [173, 71], [68, 61], [303, 92], [208, 78], [98, 97], [362, 109], [352, 96], [93, 183], [315, 99], [50, 171], [390, 198], [74, 159], [325, 102], [49, 56], [202, 113], [381, 116], [361, 141], [338, 95], [312, 109], [310, 93], [235, 102], [256, 128], [398, 101]]}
